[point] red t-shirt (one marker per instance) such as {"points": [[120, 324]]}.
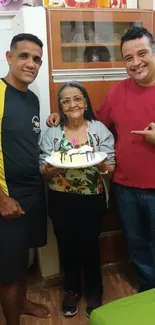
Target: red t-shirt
{"points": [[128, 107]]}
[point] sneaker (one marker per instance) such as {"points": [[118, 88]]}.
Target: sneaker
{"points": [[69, 305], [92, 303]]}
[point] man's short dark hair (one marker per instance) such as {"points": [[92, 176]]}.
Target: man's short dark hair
{"points": [[25, 37], [136, 32]]}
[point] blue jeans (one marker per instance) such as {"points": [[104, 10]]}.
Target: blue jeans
{"points": [[136, 208]]}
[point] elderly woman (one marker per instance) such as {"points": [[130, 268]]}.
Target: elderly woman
{"points": [[77, 197]]}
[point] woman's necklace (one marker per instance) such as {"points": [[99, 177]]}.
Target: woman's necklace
{"points": [[76, 136], [79, 133]]}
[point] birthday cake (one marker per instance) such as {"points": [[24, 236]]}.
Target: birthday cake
{"points": [[75, 156]]}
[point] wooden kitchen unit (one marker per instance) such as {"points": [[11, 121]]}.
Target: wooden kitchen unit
{"points": [[84, 45], [78, 36]]}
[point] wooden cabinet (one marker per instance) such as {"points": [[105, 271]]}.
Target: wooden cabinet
{"points": [[96, 90], [83, 39]]}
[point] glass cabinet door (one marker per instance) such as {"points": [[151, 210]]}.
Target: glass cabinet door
{"points": [[92, 39]]}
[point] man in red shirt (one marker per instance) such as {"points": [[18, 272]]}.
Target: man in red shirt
{"points": [[128, 109]]}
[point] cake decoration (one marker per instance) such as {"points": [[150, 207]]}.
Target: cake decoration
{"points": [[74, 142], [76, 156]]}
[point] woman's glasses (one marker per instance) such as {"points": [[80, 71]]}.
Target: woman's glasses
{"points": [[66, 102]]}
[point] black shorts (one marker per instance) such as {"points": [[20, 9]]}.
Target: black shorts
{"points": [[20, 234]]}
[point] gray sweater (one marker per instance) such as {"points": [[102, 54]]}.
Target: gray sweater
{"points": [[103, 140]]}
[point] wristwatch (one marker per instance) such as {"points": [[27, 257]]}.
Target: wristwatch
{"points": [[104, 173]]}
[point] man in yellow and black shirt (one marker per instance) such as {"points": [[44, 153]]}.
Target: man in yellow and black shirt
{"points": [[22, 196]]}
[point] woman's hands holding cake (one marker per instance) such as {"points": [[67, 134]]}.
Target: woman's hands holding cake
{"points": [[48, 171], [105, 169]]}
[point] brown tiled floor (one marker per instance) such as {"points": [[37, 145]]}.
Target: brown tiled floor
{"points": [[116, 285]]}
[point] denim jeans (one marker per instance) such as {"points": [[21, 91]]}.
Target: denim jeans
{"points": [[136, 208]]}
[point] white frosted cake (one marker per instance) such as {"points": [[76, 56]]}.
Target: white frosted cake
{"points": [[74, 156]]}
